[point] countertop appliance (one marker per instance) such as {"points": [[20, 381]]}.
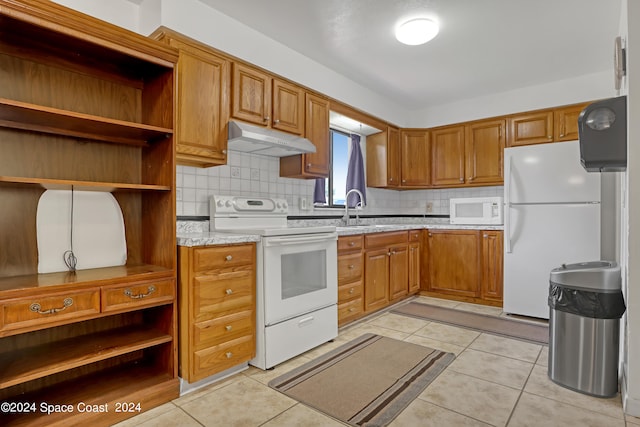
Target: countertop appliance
{"points": [[296, 277], [476, 210], [551, 217]]}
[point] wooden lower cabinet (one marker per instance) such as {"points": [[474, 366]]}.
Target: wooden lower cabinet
{"points": [[217, 308], [492, 263], [464, 265], [386, 277], [350, 279]]}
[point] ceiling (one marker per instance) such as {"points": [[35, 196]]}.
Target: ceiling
{"points": [[484, 46]]}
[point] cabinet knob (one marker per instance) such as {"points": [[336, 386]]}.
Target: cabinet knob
{"points": [[390, 179], [404, 180], [388, 253], [228, 354], [461, 179], [228, 257], [276, 121], [266, 119], [351, 267], [430, 234], [228, 328], [352, 243], [229, 291], [351, 309], [485, 235], [549, 137], [562, 135], [224, 151], [351, 290]]}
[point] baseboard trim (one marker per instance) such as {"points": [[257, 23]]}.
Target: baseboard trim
{"points": [[630, 405]]}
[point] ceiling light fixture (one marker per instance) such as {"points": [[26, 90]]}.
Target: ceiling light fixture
{"points": [[417, 31]]}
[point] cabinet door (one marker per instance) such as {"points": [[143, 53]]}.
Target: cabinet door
{"points": [[383, 159], [398, 272], [447, 154], [202, 99], [484, 152], [288, 107], [317, 131], [415, 158], [393, 159], [530, 128], [414, 267], [454, 262], [376, 276], [251, 95], [565, 121], [492, 282]]}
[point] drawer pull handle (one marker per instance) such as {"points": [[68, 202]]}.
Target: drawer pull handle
{"points": [[228, 327], [229, 291], [351, 290], [36, 308], [128, 292], [229, 355], [228, 258]]}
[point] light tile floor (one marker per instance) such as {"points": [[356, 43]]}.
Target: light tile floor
{"points": [[493, 381]]}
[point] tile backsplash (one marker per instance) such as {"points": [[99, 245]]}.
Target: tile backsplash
{"points": [[259, 176]]}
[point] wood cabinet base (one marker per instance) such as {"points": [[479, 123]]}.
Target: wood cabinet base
{"points": [[461, 298]]}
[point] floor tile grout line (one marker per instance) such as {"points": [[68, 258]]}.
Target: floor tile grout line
{"points": [[454, 411]]}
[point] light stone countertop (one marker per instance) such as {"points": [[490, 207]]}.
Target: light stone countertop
{"points": [[196, 233]]}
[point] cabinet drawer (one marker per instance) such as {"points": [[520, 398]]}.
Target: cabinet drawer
{"points": [[225, 328], [137, 295], [223, 256], [350, 243], [224, 356], [350, 291], [36, 311], [349, 310], [384, 239], [222, 293], [349, 267], [414, 235]]}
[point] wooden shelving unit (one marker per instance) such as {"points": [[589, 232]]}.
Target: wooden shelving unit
{"points": [[88, 106]]}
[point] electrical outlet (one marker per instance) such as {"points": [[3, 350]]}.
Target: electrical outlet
{"points": [[235, 172], [429, 207]]}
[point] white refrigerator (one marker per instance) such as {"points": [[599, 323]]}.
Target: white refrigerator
{"points": [[551, 217]]}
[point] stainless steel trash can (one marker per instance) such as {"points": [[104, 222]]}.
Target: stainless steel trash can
{"points": [[585, 307]]}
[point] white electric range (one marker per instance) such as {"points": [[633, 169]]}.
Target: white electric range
{"points": [[296, 277]]}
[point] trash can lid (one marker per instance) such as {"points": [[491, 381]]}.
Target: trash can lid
{"points": [[597, 276]]}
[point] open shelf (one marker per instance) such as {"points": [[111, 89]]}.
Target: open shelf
{"points": [[144, 385], [39, 361], [38, 118], [96, 276], [67, 184]]}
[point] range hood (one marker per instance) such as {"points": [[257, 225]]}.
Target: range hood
{"points": [[267, 142]]}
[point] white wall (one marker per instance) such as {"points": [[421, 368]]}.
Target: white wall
{"points": [[580, 89], [122, 13], [631, 220]]}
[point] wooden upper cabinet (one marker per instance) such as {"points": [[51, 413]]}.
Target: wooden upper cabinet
{"points": [[415, 158], [383, 158], [566, 122], [288, 107], [262, 99], [251, 95], [447, 156], [311, 165], [484, 152], [202, 97], [530, 128]]}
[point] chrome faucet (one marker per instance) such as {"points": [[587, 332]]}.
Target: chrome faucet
{"points": [[345, 218]]}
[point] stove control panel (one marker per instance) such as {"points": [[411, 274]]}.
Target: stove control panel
{"points": [[221, 205]]}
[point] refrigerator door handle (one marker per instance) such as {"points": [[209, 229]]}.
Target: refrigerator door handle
{"points": [[507, 205]]}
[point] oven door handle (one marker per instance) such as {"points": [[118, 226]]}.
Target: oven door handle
{"points": [[302, 239]]}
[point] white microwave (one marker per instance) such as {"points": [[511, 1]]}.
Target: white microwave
{"points": [[476, 210]]}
